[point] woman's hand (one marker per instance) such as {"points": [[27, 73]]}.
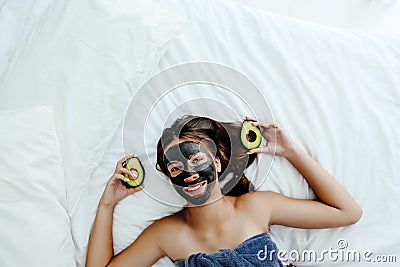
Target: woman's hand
{"points": [[115, 190], [278, 142]]}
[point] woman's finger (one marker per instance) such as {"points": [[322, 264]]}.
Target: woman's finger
{"points": [[273, 133], [123, 170], [249, 119], [272, 125], [255, 150], [117, 177], [265, 126], [121, 161], [135, 189]]}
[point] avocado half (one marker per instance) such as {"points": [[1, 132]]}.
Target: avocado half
{"points": [[135, 166], [250, 135]]}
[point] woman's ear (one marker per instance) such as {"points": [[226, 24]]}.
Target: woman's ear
{"points": [[217, 164]]}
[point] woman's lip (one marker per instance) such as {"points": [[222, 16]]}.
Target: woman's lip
{"points": [[194, 185], [200, 184]]}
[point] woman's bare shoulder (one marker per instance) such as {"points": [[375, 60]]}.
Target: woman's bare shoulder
{"points": [[177, 217], [169, 224], [257, 198], [167, 231], [256, 205]]}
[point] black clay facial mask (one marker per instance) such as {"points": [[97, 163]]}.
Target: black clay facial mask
{"points": [[190, 164]]}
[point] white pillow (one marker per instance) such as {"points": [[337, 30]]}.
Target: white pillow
{"points": [[35, 227], [86, 59]]}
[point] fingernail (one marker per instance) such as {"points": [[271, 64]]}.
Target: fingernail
{"points": [[249, 153], [127, 180]]}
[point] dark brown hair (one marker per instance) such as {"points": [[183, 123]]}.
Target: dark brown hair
{"points": [[230, 151]]}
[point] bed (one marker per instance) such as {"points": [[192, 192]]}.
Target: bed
{"points": [[78, 67]]}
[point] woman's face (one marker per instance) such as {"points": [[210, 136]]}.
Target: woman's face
{"points": [[192, 169]]}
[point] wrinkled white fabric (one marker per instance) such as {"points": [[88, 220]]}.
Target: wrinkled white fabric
{"points": [[86, 59], [335, 92], [35, 227]]}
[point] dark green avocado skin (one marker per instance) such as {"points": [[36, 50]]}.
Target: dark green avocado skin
{"points": [[141, 170], [243, 134]]}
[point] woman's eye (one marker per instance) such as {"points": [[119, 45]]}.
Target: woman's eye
{"points": [[174, 169], [196, 160]]}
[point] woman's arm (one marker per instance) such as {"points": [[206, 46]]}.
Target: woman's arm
{"points": [[335, 207], [328, 190], [100, 249], [143, 252]]}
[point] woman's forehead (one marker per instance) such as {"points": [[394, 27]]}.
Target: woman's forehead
{"points": [[176, 142], [184, 149]]}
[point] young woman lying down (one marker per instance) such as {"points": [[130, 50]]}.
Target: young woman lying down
{"points": [[225, 226]]}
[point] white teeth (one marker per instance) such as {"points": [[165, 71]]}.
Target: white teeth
{"points": [[191, 189]]}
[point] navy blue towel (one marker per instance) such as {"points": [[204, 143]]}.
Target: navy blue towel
{"points": [[258, 251]]}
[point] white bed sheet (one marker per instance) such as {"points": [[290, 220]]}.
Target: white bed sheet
{"points": [[336, 92], [18, 19], [86, 58]]}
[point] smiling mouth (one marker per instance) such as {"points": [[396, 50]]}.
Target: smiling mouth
{"points": [[196, 188]]}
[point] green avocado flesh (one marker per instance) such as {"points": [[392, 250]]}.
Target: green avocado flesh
{"points": [[135, 166], [250, 135]]}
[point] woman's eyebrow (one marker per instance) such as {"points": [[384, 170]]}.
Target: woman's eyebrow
{"points": [[195, 154], [173, 162]]}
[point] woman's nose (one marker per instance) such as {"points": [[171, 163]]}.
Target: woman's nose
{"points": [[192, 178]]}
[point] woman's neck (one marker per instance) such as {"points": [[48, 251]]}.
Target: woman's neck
{"points": [[211, 213]]}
